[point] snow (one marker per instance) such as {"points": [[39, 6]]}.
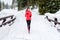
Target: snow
{"points": [[41, 29]]}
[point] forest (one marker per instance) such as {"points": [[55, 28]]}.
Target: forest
{"points": [[51, 6]]}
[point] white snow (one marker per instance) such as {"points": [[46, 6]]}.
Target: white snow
{"points": [[41, 29]]}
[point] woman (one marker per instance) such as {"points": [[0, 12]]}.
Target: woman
{"points": [[28, 18]]}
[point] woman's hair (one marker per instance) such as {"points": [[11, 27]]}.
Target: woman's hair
{"points": [[27, 8]]}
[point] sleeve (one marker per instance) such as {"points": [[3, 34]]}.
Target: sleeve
{"points": [[30, 14], [25, 14]]}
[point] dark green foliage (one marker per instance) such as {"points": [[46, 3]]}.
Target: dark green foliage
{"points": [[21, 4], [33, 2], [50, 6], [26, 3], [45, 6]]}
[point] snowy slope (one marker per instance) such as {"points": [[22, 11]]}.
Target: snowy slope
{"points": [[41, 29]]}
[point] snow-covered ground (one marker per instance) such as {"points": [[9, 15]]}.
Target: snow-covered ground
{"points": [[41, 29]]}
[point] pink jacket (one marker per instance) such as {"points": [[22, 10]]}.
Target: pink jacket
{"points": [[28, 14]]}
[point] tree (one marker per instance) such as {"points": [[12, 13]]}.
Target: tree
{"points": [[6, 6], [14, 4], [21, 4], [26, 3], [32, 3], [50, 6], [0, 5]]}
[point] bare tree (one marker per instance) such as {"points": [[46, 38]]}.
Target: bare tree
{"points": [[14, 4]]}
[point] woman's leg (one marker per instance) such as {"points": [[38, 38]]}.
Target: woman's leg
{"points": [[28, 25], [29, 22]]}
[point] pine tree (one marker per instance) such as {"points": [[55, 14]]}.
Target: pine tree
{"points": [[50, 6]]}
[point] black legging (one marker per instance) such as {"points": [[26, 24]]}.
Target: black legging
{"points": [[28, 22]]}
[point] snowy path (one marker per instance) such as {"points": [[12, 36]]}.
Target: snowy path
{"points": [[40, 29]]}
